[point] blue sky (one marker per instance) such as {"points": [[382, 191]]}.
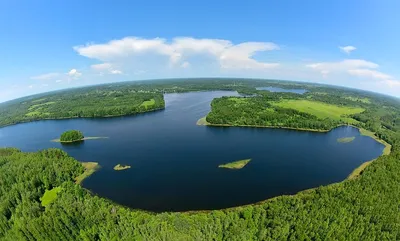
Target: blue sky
{"points": [[49, 45]]}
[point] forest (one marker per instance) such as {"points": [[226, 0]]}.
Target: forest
{"points": [[77, 103], [71, 135], [363, 208]]}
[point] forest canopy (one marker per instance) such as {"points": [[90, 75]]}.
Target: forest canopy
{"points": [[71, 136]]}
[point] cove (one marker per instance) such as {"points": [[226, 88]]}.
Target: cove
{"points": [[174, 163]]}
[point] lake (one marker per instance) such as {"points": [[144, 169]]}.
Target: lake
{"points": [[175, 162], [277, 89]]}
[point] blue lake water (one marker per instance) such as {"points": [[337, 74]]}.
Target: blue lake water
{"points": [[175, 162], [277, 89]]}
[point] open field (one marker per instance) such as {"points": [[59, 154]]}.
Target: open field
{"points": [[321, 110], [90, 168], [148, 103], [49, 196], [346, 139], [363, 100], [235, 165]]}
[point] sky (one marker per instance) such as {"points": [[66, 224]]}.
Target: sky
{"points": [[53, 44]]}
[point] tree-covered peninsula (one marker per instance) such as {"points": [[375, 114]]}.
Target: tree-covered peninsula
{"points": [[71, 136]]}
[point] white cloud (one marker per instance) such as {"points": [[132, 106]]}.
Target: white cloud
{"points": [[115, 71], [369, 73], [30, 86], [59, 80], [105, 67], [363, 70], [347, 49], [227, 54], [185, 65], [46, 76], [73, 73], [341, 66]]}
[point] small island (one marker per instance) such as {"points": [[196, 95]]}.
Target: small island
{"points": [[346, 139], [120, 167], [71, 136], [235, 165]]}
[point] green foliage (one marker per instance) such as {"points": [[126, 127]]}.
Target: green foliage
{"points": [[71, 135], [85, 102], [259, 111], [363, 208], [49, 196]]}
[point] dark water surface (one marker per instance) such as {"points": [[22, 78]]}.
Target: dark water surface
{"points": [[277, 89], [175, 162]]}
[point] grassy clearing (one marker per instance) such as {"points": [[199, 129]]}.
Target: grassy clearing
{"points": [[235, 165], [202, 122], [83, 139], [39, 105], [120, 167], [321, 110], [363, 100], [239, 100], [346, 139], [49, 196], [90, 168], [148, 103], [388, 147], [37, 113]]}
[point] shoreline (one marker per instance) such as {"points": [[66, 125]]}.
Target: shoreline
{"points": [[81, 117], [83, 139], [363, 132], [90, 168]]}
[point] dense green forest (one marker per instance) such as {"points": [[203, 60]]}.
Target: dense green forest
{"points": [[79, 103], [71, 135], [134, 97], [363, 208]]}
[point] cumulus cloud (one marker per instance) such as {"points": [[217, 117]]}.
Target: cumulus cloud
{"points": [[357, 68], [227, 54], [73, 73], [347, 49]]}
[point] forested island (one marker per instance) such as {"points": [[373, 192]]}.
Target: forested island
{"points": [[71, 136], [40, 196]]}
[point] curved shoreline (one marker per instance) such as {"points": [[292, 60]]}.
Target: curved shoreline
{"points": [[83, 139], [80, 117], [363, 132]]}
